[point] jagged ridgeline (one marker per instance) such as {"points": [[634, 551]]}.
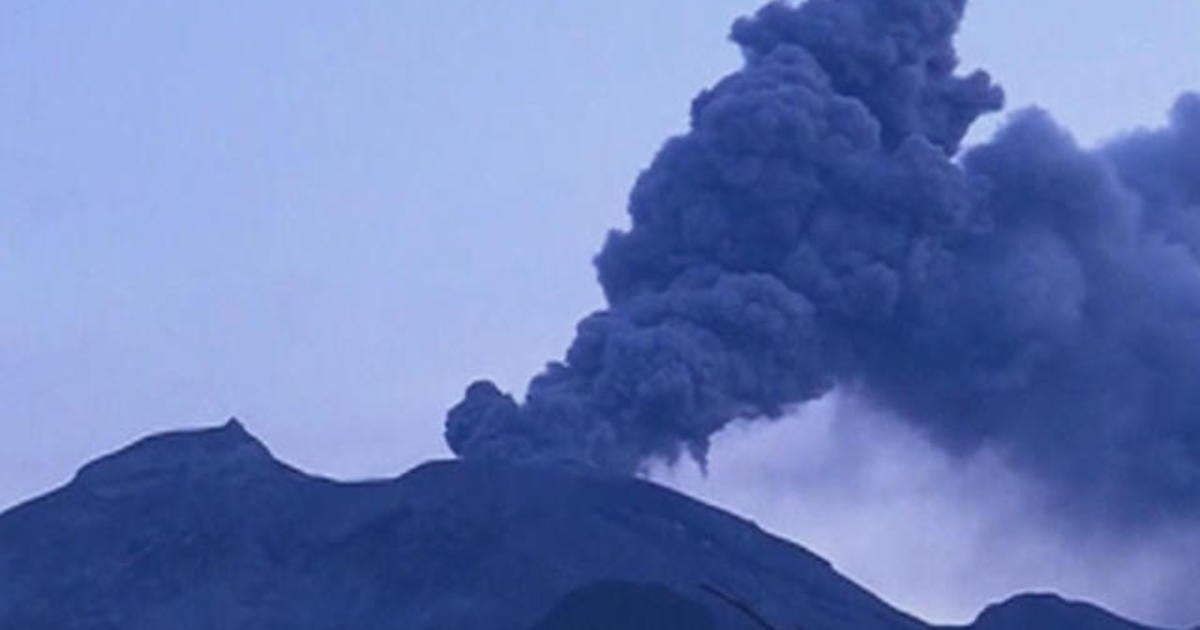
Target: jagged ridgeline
{"points": [[203, 530], [817, 227]]}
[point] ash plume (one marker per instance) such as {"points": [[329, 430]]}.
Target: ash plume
{"points": [[817, 227]]}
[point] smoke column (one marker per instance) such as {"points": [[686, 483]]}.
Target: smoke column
{"points": [[817, 227]]}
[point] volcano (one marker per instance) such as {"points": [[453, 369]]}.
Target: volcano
{"points": [[206, 529]]}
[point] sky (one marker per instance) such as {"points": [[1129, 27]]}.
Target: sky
{"points": [[326, 219]]}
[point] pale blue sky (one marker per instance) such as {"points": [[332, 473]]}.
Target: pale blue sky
{"points": [[327, 218]]}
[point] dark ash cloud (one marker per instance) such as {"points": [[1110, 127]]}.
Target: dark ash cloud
{"points": [[817, 227]]}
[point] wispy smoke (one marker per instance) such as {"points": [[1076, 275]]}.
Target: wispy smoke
{"points": [[939, 536], [815, 228]]}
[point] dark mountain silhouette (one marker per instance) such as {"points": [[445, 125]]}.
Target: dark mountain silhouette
{"points": [[1046, 610], [205, 529], [627, 605]]}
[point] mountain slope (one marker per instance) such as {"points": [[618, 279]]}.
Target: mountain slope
{"points": [[607, 604], [205, 529]]}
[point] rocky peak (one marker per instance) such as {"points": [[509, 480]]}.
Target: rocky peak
{"points": [[225, 452], [1035, 611]]}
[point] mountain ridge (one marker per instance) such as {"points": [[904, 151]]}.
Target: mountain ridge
{"points": [[205, 528]]}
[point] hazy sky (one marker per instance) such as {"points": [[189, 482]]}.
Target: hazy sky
{"points": [[327, 218]]}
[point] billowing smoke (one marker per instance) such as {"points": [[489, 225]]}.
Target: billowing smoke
{"points": [[816, 228]]}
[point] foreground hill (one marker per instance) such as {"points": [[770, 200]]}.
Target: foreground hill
{"points": [[205, 529]]}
